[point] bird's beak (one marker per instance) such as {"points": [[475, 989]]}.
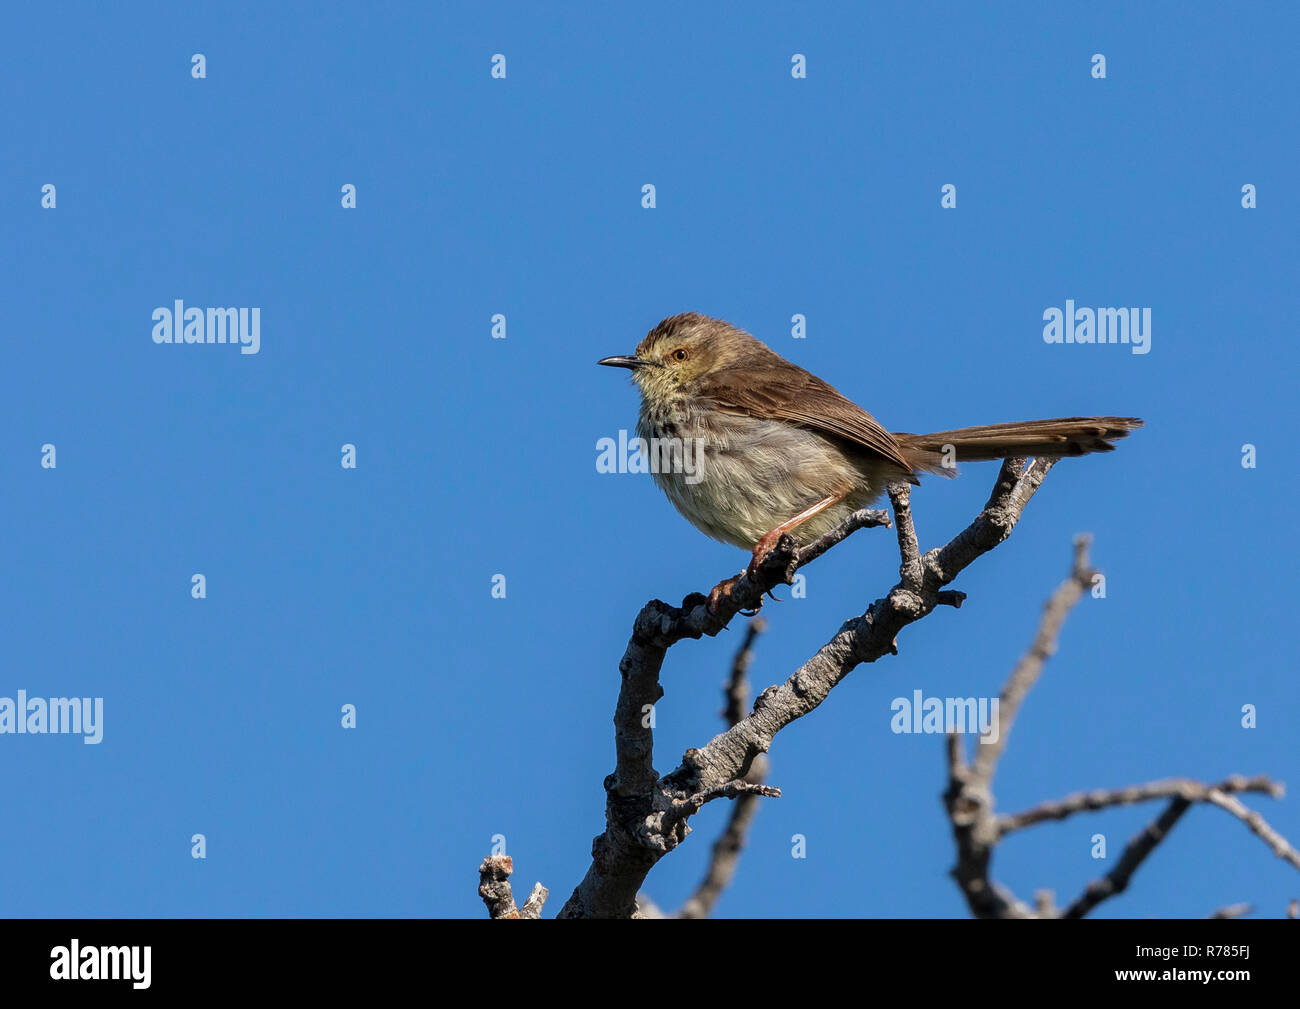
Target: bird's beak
{"points": [[624, 362]]}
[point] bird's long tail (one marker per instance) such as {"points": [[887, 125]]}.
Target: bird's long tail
{"points": [[1061, 436]]}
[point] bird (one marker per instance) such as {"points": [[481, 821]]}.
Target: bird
{"points": [[778, 450]]}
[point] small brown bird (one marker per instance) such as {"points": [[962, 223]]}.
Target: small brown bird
{"points": [[762, 447]]}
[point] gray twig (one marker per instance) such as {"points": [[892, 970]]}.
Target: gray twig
{"points": [[1104, 798], [977, 829], [725, 855], [494, 888]]}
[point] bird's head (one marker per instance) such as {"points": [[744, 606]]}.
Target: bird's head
{"points": [[679, 355]]}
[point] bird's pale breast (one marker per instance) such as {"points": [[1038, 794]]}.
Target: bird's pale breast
{"points": [[742, 476]]}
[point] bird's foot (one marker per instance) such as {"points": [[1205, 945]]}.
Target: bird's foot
{"points": [[723, 590], [753, 573], [762, 548]]}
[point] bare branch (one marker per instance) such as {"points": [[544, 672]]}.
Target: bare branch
{"points": [[644, 814], [863, 518], [1232, 911], [726, 849], [1135, 853], [950, 597], [494, 888], [1030, 667], [736, 691], [1186, 793], [1103, 798], [728, 790], [723, 860], [647, 908], [1281, 847], [536, 899], [1016, 484], [969, 803], [969, 795], [909, 551]]}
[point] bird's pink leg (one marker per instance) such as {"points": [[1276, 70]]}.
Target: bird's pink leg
{"points": [[764, 547], [773, 536]]}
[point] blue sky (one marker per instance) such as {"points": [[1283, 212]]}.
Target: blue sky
{"points": [[475, 457]]}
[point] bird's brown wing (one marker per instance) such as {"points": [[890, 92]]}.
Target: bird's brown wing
{"points": [[784, 391]]}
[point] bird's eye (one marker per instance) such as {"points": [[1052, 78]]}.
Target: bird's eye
{"points": [[680, 354]]}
